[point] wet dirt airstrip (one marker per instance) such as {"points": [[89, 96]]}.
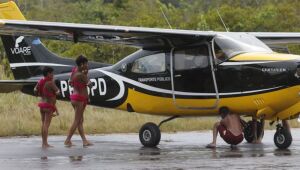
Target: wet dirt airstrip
{"points": [[123, 151]]}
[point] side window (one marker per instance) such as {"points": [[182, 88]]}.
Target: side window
{"points": [[191, 58], [155, 63]]}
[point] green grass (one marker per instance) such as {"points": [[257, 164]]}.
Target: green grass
{"points": [[19, 115]]}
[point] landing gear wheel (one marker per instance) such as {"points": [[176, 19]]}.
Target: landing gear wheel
{"points": [[282, 138], [248, 132], [149, 135]]}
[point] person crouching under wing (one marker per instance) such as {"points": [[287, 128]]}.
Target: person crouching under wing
{"points": [[230, 128]]}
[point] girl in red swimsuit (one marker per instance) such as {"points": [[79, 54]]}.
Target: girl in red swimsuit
{"points": [[47, 89], [79, 98]]}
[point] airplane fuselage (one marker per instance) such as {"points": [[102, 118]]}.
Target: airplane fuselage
{"points": [[257, 83]]}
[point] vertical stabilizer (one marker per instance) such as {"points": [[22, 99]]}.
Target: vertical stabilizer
{"points": [[27, 55]]}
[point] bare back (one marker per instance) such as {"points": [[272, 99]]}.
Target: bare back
{"points": [[233, 124]]}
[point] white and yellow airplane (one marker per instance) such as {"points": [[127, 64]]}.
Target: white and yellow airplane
{"points": [[176, 73]]}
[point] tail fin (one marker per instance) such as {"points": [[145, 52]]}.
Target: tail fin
{"points": [[27, 55]]}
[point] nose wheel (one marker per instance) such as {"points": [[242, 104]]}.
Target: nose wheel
{"points": [[282, 138]]}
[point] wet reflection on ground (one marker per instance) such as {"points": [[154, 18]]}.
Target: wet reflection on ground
{"points": [[75, 158], [123, 151]]}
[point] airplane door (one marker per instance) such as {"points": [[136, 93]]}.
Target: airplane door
{"points": [[193, 78]]}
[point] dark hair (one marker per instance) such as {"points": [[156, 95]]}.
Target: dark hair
{"points": [[224, 111], [81, 60], [47, 70]]}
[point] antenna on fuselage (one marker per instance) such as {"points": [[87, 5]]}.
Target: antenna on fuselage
{"points": [[165, 17], [227, 30]]}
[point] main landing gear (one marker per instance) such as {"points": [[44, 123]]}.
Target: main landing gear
{"points": [[150, 133], [249, 133]]}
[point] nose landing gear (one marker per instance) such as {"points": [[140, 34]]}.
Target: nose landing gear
{"points": [[282, 138]]}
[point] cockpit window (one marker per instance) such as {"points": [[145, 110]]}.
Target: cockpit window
{"points": [[155, 63], [229, 45]]}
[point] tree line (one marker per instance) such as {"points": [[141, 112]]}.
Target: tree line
{"points": [[246, 15]]}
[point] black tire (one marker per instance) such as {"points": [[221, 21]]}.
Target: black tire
{"points": [[248, 135], [149, 135], [283, 138]]}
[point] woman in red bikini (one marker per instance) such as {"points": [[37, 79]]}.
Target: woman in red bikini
{"points": [[47, 89], [79, 99]]}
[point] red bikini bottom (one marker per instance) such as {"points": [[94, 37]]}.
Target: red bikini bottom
{"points": [[45, 105], [79, 98]]}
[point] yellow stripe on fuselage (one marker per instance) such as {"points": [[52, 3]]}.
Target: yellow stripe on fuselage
{"points": [[278, 101], [264, 57]]}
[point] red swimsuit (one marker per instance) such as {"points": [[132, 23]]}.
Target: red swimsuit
{"points": [[42, 91], [228, 136], [78, 85]]}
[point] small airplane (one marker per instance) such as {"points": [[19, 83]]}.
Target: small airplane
{"points": [[175, 73]]}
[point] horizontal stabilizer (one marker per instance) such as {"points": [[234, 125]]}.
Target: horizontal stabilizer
{"points": [[7, 86]]}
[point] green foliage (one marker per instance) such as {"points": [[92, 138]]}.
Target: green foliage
{"points": [[5, 71], [247, 15]]}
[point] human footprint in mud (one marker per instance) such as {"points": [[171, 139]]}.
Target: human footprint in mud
{"points": [[230, 128]]}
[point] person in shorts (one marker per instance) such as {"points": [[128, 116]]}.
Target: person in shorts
{"points": [[230, 128]]}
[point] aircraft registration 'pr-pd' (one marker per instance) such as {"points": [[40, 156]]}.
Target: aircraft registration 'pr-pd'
{"points": [[175, 73]]}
